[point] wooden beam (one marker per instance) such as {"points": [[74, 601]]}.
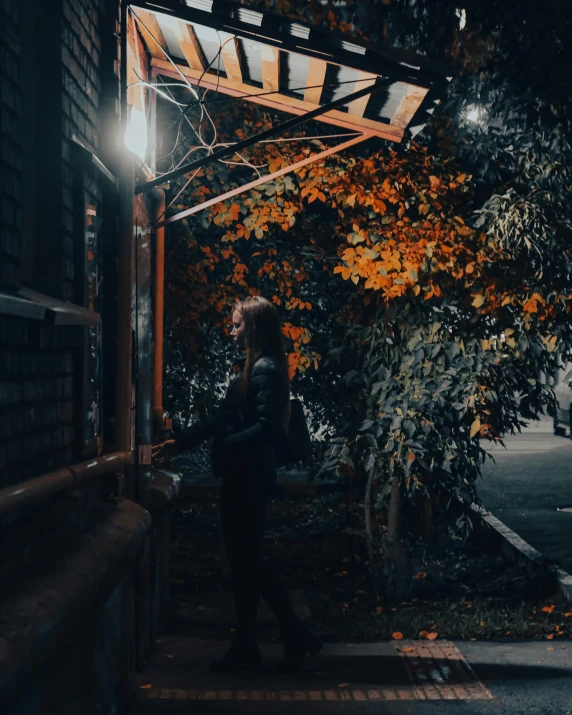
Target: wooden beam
{"points": [[409, 105], [231, 57], [190, 45], [280, 102], [316, 76], [358, 106], [137, 67], [151, 33], [270, 62], [264, 179]]}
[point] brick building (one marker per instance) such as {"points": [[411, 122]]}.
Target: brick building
{"points": [[84, 519], [82, 565]]}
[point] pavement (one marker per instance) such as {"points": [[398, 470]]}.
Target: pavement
{"points": [[414, 677], [528, 482]]}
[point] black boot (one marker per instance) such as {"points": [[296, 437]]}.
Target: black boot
{"points": [[299, 643], [238, 658]]}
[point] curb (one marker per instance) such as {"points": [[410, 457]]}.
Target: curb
{"points": [[517, 549]]}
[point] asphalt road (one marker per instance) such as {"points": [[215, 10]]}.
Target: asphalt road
{"points": [[529, 481]]}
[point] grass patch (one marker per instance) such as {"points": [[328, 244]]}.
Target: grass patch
{"points": [[459, 590]]}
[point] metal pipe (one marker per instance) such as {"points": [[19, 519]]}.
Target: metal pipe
{"points": [[245, 143], [158, 208], [158, 311], [34, 490], [124, 334], [262, 180], [125, 269], [95, 468]]}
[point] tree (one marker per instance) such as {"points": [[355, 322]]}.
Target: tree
{"points": [[449, 259]]}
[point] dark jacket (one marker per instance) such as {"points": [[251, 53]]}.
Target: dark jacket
{"points": [[245, 431]]}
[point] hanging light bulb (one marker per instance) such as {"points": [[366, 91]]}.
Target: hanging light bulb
{"points": [[136, 133], [475, 114]]}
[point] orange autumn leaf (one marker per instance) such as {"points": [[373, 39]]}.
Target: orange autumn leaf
{"points": [[397, 636], [431, 636], [550, 637], [548, 609], [146, 687]]}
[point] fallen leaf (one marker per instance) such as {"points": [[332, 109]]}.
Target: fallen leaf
{"points": [[343, 685], [567, 615], [550, 637], [547, 609], [410, 649], [397, 636], [146, 687], [507, 633], [550, 648], [422, 634], [431, 636], [473, 639]]}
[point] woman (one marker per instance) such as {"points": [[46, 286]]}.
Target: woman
{"points": [[253, 418]]}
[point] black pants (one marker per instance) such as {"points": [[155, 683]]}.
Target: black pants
{"points": [[243, 518]]}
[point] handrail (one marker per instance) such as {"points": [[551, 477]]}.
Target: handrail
{"points": [[34, 490]]}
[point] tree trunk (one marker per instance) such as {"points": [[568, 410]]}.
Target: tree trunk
{"points": [[394, 546], [374, 566]]}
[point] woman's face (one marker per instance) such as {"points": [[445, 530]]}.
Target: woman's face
{"points": [[238, 331]]}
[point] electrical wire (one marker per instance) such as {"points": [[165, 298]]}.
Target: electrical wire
{"points": [[167, 55], [201, 100]]}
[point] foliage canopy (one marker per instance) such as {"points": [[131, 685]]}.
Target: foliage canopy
{"points": [[424, 288]]}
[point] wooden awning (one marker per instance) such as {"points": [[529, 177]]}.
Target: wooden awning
{"points": [[289, 66]]}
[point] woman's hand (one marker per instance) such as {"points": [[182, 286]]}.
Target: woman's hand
{"points": [[165, 449]]}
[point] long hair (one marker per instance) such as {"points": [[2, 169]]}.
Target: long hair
{"points": [[263, 338]]}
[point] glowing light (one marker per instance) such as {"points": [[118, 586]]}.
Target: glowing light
{"points": [[475, 114], [462, 15], [136, 133]]}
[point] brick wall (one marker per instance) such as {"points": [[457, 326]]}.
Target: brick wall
{"points": [[10, 144], [36, 398], [45, 100], [81, 51]]}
